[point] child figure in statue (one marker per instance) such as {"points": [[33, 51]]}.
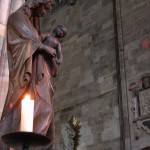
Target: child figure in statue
{"points": [[53, 41]]}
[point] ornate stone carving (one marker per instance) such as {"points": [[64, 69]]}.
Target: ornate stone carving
{"points": [[144, 101], [134, 107], [146, 82], [145, 125], [140, 103]]}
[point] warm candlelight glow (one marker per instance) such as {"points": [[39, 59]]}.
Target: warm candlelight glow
{"points": [[27, 97], [27, 110]]}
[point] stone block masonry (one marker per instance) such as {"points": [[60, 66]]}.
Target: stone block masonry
{"points": [[86, 85]]}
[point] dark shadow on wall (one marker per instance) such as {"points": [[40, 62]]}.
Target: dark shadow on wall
{"points": [[146, 148]]}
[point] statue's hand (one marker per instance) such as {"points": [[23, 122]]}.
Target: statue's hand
{"points": [[50, 51], [58, 61]]}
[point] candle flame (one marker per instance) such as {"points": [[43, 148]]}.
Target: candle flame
{"points": [[27, 96]]}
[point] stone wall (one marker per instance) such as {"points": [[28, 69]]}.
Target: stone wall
{"points": [[136, 59], [87, 86], [88, 78]]}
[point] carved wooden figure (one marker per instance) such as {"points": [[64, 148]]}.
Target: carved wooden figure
{"points": [[53, 41], [29, 70]]}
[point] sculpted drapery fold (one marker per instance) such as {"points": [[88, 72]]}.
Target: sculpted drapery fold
{"points": [[22, 43], [27, 73]]}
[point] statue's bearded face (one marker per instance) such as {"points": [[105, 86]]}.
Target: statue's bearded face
{"points": [[41, 10]]}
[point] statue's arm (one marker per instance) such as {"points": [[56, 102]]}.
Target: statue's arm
{"points": [[59, 54], [45, 35], [47, 49]]}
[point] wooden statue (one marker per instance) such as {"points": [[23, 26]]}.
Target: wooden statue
{"points": [[53, 41], [29, 70]]}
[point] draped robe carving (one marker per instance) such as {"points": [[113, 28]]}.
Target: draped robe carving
{"points": [[28, 73]]}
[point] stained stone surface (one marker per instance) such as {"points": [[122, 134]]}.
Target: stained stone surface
{"points": [[87, 83], [136, 28]]}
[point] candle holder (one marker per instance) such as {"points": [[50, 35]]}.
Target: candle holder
{"points": [[25, 140]]}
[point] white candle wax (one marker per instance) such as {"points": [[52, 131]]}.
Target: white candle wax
{"points": [[27, 110]]}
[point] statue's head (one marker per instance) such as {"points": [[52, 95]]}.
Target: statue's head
{"points": [[60, 31], [39, 7]]}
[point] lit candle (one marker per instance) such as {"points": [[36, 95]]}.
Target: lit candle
{"points": [[27, 110]]}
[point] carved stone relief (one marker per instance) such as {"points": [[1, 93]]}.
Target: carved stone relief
{"points": [[145, 125], [134, 107], [144, 101], [140, 102]]}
